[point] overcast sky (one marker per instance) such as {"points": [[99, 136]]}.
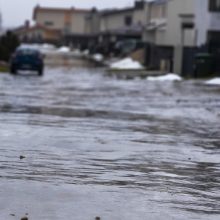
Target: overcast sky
{"points": [[14, 12]]}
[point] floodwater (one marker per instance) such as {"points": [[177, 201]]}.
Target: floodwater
{"points": [[94, 145]]}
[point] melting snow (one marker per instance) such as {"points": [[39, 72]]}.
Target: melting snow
{"points": [[98, 57], [168, 77], [127, 63], [63, 49], [215, 81]]}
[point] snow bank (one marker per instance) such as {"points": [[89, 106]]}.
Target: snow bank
{"points": [[63, 49], [98, 57], [48, 47], [126, 63], [168, 77], [77, 53], [85, 53], [215, 81]]}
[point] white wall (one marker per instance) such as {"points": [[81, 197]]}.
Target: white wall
{"points": [[56, 17], [140, 16], [173, 28], [78, 23], [114, 21], [205, 21]]}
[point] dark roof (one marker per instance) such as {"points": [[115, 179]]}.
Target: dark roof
{"points": [[157, 2], [116, 11], [35, 27]]}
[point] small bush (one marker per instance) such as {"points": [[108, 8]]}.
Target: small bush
{"points": [[8, 43]]}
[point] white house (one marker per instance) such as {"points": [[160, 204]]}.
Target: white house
{"points": [[177, 27], [207, 20]]}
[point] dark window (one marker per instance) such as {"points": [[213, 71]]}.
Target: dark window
{"points": [[139, 4], [214, 5], [48, 23], [128, 20]]}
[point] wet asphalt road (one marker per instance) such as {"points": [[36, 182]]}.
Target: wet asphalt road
{"points": [[120, 149]]}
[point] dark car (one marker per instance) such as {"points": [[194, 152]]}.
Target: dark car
{"points": [[27, 59]]}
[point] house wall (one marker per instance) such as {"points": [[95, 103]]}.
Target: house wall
{"points": [[56, 17], [140, 16], [92, 24], [117, 20], [114, 21], [205, 21], [68, 21], [78, 23], [173, 28]]}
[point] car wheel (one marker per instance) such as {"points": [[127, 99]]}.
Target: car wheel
{"points": [[13, 70], [40, 72]]}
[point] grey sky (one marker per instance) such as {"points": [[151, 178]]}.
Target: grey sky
{"points": [[14, 12]]}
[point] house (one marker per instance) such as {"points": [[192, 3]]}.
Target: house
{"points": [[208, 28], [177, 30], [37, 34], [121, 24], [71, 22], [170, 28]]}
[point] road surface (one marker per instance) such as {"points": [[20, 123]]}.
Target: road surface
{"points": [[76, 144]]}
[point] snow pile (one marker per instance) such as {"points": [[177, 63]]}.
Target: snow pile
{"points": [[85, 53], [168, 77], [215, 81], [126, 64], [98, 57], [77, 53], [63, 49], [48, 47]]}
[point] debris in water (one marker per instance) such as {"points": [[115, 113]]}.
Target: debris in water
{"points": [[97, 218], [22, 157], [24, 218]]}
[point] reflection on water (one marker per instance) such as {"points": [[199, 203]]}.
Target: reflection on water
{"points": [[137, 149]]}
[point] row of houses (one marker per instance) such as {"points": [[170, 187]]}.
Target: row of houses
{"points": [[171, 30]]}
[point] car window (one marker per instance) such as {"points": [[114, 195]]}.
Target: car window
{"points": [[27, 53]]}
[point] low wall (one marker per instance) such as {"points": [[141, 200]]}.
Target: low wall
{"points": [[66, 59]]}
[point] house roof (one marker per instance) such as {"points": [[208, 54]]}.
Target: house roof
{"points": [[35, 27], [116, 11], [157, 2]]}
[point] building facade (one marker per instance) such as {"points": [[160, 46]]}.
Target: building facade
{"points": [[66, 20], [177, 30]]}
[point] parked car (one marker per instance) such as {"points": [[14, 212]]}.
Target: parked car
{"points": [[27, 59], [125, 47]]}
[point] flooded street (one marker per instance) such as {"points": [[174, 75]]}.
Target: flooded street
{"points": [[76, 144]]}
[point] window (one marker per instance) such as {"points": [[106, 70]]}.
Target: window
{"points": [[128, 20], [214, 5], [48, 23]]}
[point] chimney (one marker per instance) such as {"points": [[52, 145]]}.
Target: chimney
{"points": [[27, 24]]}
